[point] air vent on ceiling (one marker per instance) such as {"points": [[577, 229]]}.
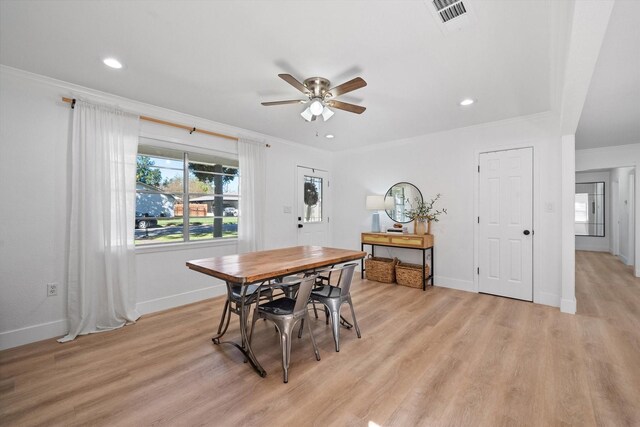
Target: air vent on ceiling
{"points": [[449, 9], [451, 15]]}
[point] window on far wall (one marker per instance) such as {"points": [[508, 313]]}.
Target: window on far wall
{"points": [[185, 196], [589, 209]]}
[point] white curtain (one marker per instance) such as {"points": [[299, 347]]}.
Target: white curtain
{"points": [[101, 263], [251, 157]]}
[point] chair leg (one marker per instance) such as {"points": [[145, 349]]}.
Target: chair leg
{"points": [[313, 340], [353, 316], [285, 340], [335, 325], [302, 326]]}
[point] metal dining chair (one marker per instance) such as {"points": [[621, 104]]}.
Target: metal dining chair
{"points": [[333, 297], [285, 313], [233, 304]]}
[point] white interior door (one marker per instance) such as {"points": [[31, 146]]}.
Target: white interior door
{"points": [[505, 223], [312, 206]]}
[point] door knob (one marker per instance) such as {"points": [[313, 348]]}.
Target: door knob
{"points": [[526, 232], [300, 225]]}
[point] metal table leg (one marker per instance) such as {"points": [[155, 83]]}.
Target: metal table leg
{"points": [[245, 347], [433, 274], [424, 278], [362, 262]]}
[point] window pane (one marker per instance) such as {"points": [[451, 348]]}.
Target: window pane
{"points": [[213, 185], [213, 179], [312, 199], [212, 216], [207, 227]]}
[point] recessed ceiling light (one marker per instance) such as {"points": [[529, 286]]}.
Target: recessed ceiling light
{"points": [[329, 136], [466, 102], [112, 62]]}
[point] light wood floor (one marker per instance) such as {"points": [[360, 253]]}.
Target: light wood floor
{"points": [[440, 357]]}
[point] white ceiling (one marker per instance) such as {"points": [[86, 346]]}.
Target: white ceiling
{"points": [[219, 60], [611, 114]]}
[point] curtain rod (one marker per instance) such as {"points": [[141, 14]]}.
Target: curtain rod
{"points": [[191, 129]]}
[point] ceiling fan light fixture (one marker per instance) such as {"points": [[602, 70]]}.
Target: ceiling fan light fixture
{"points": [[327, 113], [316, 107], [306, 114]]}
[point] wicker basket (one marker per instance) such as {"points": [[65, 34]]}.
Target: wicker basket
{"points": [[381, 269], [410, 274]]}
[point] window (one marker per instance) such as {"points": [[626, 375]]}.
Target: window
{"points": [[312, 199], [589, 209], [185, 196]]}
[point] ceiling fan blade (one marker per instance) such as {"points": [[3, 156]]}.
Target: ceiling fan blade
{"points": [[349, 86], [292, 101], [295, 83], [352, 108]]}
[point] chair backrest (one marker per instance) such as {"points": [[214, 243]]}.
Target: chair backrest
{"points": [[346, 276], [304, 292]]}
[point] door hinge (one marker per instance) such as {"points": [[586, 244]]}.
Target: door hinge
{"points": [[478, 270], [328, 220], [478, 168], [478, 220]]}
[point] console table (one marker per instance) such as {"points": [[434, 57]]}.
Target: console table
{"points": [[420, 242]]}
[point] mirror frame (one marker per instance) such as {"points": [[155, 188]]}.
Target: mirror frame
{"points": [[387, 195]]}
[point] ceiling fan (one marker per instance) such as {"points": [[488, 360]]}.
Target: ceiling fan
{"points": [[321, 96]]}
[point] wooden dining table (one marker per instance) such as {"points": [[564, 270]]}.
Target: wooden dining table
{"points": [[262, 268]]}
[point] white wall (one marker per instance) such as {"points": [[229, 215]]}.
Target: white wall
{"points": [[590, 243], [446, 163], [621, 156], [34, 136]]}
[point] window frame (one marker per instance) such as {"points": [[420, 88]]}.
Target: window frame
{"points": [[185, 150]]}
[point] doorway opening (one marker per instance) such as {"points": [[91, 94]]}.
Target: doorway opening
{"points": [[604, 232]]}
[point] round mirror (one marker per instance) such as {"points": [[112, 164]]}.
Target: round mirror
{"points": [[400, 198]]}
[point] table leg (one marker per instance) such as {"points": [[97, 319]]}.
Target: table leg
{"points": [[245, 346], [433, 274], [424, 277], [225, 319], [362, 262]]}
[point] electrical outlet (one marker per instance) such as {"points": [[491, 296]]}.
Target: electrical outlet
{"points": [[52, 289]]}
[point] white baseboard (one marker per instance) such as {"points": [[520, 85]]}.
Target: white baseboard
{"points": [[58, 328], [568, 306], [29, 334], [451, 283], [547, 298], [623, 259], [164, 303], [593, 249]]}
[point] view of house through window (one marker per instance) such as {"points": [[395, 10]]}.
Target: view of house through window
{"points": [[184, 196]]}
